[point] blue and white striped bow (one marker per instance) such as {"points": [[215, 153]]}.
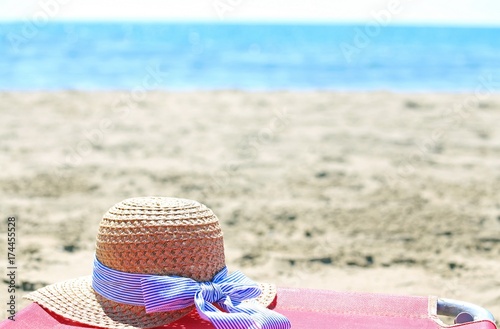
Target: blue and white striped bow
{"points": [[168, 293]]}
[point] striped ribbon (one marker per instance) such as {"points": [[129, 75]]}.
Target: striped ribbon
{"points": [[168, 293]]}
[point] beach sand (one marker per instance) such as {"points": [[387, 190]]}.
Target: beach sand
{"points": [[372, 192]]}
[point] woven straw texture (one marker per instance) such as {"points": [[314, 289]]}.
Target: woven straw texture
{"points": [[150, 235]]}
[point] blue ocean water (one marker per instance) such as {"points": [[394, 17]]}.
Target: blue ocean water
{"points": [[107, 56]]}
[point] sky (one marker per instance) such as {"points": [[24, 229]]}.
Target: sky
{"points": [[426, 12]]}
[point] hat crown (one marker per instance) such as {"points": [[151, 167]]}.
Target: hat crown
{"points": [[161, 236]]}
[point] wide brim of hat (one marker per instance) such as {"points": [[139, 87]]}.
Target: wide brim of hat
{"points": [[76, 300]]}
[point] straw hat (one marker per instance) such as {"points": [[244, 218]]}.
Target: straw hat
{"points": [[149, 235]]}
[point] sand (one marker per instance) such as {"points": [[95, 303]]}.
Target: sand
{"points": [[375, 191]]}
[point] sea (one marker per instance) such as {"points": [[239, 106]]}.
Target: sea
{"points": [[246, 56]]}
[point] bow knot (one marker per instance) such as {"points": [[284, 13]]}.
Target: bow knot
{"points": [[211, 292]]}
